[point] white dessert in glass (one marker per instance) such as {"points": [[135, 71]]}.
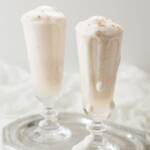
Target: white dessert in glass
{"points": [[99, 42], [44, 29]]}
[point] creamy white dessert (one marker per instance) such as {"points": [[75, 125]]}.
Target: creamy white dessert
{"points": [[99, 42], [44, 29]]}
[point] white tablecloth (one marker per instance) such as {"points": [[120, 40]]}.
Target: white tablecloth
{"points": [[132, 96]]}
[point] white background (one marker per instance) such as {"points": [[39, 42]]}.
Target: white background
{"points": [[133, 15]]}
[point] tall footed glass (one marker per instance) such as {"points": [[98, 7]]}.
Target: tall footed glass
{"points": [[99, 42], [44, 30]]}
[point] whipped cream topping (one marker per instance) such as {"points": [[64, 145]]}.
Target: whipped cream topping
{"points": [[98, 25], [43, 13]]}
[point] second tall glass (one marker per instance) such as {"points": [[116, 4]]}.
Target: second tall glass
{"points": [[99, 42]]}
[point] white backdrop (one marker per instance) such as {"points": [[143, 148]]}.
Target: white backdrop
{"points": [[132, 14]]}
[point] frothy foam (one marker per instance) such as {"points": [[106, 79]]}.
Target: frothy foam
{"points": [[98, 25], [43, 13]]}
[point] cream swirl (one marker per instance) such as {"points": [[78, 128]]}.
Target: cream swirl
{"points": [[98, 25], [42, 14]]}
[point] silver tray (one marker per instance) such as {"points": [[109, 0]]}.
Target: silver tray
{"points": [[15, 135]]}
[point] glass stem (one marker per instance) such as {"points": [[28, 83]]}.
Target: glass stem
{"points": [[97, 129], [50, 119]]}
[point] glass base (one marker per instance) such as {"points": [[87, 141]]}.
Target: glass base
{"points": [[90, 144], [49, 129], [46, 136]]}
